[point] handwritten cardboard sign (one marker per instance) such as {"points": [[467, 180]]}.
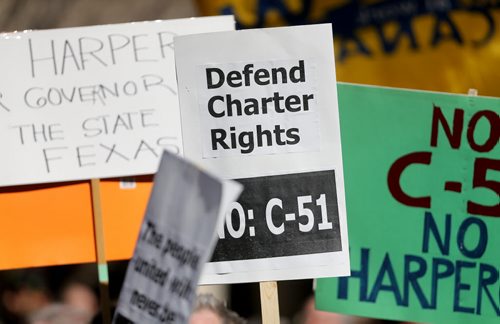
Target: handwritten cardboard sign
{"points": [[90, 102], [260, 106], [175, 240], [423, 192]]}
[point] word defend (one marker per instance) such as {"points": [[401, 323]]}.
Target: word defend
{"points": [[234, 94]]}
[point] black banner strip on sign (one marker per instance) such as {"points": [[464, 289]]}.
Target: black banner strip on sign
{"points": [[284, 215]]}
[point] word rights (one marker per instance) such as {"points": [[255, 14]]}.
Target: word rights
{"points": [[258, 108], [297, 214]]}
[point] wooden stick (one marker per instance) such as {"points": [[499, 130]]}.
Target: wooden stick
{"points": [[102, 266], [472, 92], [269, 302]]}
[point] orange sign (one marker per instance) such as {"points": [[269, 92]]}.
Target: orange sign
{"points": [[52, 224]]}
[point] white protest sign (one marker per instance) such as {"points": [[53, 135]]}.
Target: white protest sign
{"points": [[176, 238], [91, 102], [260, 106]]}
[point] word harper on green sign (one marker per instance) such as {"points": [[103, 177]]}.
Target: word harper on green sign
{"points": [[422, 178]]}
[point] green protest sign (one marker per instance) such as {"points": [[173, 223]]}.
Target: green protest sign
{"points": [[422, 178]]}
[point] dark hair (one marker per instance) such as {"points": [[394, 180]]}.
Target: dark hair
{"points": [[209, 302]]}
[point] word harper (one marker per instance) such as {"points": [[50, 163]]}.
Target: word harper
{"points": [[57, 56], [424, 276]]}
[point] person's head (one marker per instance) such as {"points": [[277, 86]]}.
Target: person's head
{"points": [[81, 297], [24, 292], [209, 310], [310, 315]]}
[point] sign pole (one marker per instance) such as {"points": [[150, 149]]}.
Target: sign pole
{"points": [[269, 302], [102, 266]]}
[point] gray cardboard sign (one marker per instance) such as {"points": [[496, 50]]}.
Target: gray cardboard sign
{"points": [[176, 238]]}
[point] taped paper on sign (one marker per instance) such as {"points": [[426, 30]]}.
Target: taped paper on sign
{"points": [[263, 123]]}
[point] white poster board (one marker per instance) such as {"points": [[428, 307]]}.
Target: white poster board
{"points": [[91, 102], [260, 106], [176, 238]]}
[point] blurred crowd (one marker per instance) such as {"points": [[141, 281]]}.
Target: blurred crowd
{"points": [[70, 294], [49, 295]]}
